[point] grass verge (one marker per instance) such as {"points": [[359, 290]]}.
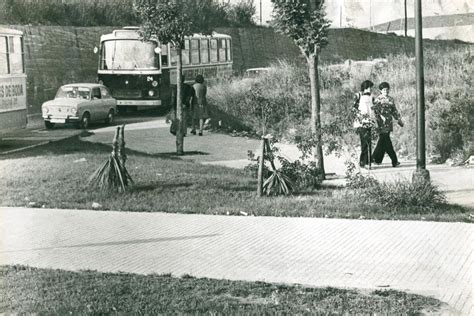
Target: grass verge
{"points": [[43, 291], [56, 176]]}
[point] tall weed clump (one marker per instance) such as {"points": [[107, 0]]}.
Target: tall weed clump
{"points": [[399, 196], [274, 102]]}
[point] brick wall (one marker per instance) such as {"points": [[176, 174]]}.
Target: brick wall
{"points": [[55, 55]]}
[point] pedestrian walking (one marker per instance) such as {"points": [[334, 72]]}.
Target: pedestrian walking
{"points": [[385, 111], [188, 96], [364, 122], [200, 106]]}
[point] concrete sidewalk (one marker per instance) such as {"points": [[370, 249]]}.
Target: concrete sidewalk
{"points": [[427, 258]]}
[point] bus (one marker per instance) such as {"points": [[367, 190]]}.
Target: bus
{"points": [[141, 74], [13, 108]]}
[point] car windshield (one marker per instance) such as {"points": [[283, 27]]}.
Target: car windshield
{"points": [[129, 54], [74, 92]]}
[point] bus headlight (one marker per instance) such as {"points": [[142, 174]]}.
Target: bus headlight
{"points": [[154, 83], [151, 93]]}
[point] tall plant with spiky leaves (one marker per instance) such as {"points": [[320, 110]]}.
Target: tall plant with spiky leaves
{"points": [[305, 22], [170, 22]]}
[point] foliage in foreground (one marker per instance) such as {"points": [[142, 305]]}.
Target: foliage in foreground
{"points": [[55, 175], [30, 290]]}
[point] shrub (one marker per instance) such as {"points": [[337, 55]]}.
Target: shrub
{"points": [[357, 180], [404, 193], [451, 126], [302, 175], [398, 195]]}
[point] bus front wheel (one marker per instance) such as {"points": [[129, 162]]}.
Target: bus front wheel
{"points": [[48, 125]]}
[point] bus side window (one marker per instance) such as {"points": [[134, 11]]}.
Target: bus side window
{"points": [[204, 51], [229, 50], [173, 55], [3, 55], [164, 55], [214, 50], [194, 51], [222, 49], [15, 57], [185, 53]]}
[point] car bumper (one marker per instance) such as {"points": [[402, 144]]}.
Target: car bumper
{"points": [[139, 102], [63, 120]]}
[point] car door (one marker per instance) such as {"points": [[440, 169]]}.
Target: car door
{"points": [[108, 101], [97, 107]]}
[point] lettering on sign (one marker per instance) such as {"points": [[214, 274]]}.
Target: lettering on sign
{"points": [[12, 97], [12, 90]]}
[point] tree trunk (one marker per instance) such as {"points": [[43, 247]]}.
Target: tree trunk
{"points": [[316, 111], [179, 105]]}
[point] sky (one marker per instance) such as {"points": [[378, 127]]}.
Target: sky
{"points": [[363, 13]]}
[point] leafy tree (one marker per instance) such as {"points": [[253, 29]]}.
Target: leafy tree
{"points": [[171, 22], [304, 21], [240, 13]]}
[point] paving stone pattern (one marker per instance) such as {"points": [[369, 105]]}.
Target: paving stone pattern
{"points": [[427, 258]]}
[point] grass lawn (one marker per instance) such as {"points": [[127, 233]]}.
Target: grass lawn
{"points": [[30, 290], [56, 175]]}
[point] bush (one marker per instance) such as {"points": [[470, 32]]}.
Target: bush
{"points": [[404, 193], [298, 175], [398, 195], [451, 127], [303, 175]]}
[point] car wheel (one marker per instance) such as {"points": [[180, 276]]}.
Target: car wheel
{"points": [[109, 120], [48, 125], [85, 121]]}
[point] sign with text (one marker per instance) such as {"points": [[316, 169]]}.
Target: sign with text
{"points": [[12, 93]]}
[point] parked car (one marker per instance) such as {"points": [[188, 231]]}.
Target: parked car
{"points": [[80, 103], [255, 72]]}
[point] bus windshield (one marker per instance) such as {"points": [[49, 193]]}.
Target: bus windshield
{"points": [[128, 54]]}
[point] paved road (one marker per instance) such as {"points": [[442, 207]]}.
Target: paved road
{"points": [[428, 258], [36, 134]]}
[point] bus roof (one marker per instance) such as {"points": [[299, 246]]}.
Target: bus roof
{"points": [[6, 31], [132, 33], [85, 85]]}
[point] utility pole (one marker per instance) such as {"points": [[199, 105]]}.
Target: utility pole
{"points": [[421, 173], [260, 12], [406, 19], [370, 15]]}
